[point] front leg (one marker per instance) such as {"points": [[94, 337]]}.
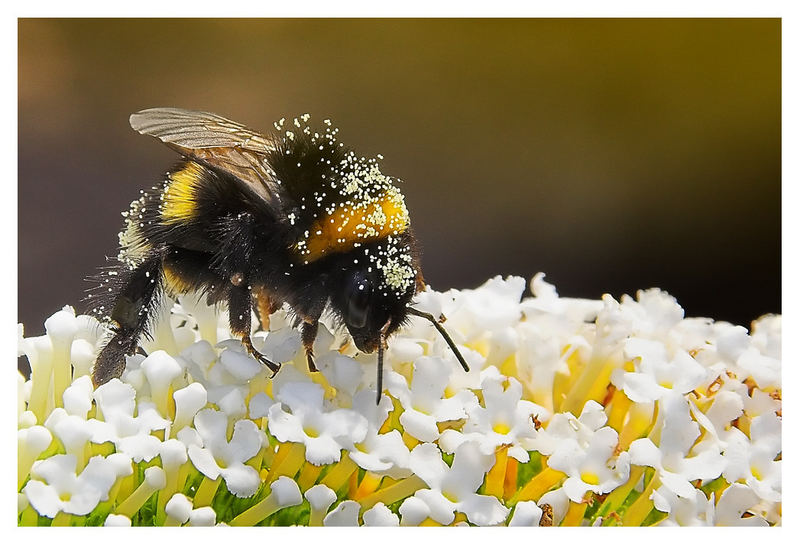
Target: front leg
{"points": [[239, 305], [309, 334]]}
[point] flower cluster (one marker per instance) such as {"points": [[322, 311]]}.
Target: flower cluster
{"points": [[574, 412]]}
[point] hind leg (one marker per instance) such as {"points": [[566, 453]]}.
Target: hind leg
{"points": [[132, 300], [240, 303]]}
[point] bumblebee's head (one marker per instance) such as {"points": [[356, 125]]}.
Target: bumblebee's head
{"points": [[373, 293]]}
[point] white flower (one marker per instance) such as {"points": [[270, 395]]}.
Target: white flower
{"points": [[117, 521], [72, 431], [55, 487], [526, 513], [324, 434], [453, 488], [564, 426], [31, 442], [342, 372], [505, 419], [202, 516], [345, 514], [179, 508], [78, 397], [218, 456], [735, 501], [654, 313], [690, 510], [678, 434], [379, 453], [588, 466], [558, 500], [188, 401], [413, 511], [259, 405], [320, 498], [380, 515], [130, 434], [423, 405], [657, 374], [285, 492], [161, 371], [753, 461]]}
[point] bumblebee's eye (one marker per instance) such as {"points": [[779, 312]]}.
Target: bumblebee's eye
{"points": [[358, 301]]}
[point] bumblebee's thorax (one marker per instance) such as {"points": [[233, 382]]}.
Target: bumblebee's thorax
{"points": [[345, 205]]}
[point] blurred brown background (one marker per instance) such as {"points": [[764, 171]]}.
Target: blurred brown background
{"points": [[611, 154]]}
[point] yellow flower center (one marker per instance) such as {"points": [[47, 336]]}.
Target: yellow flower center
{"points": [[311, 431], [501, 428], [589, 477], [450, 496]]}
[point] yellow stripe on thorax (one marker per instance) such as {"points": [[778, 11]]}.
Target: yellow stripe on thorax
{"points": [[353, 224], [179, 196]]}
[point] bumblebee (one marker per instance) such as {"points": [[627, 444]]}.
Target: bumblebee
{"points": [[256, 221]]}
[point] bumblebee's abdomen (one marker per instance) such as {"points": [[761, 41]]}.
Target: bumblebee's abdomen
{"points": [[183, 211], [179, 198]]}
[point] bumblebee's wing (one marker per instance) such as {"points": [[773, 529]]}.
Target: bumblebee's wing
{"points": [[219, 143]]}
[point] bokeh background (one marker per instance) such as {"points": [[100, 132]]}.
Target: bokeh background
{"points": [[611, 154]]}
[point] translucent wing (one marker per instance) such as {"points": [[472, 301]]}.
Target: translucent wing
{"points": [[219, 143]]}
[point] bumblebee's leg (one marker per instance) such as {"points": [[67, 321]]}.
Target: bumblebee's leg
{"points": [[308, 333], [239, 307], [233, 260], [133, 298], [265, 305]]}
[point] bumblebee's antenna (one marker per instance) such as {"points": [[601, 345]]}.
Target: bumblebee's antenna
{"points": [[380, 372], [442, 332], [381, 346]]}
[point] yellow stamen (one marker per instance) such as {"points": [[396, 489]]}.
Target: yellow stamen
{"points": [[206, 491], [288, 461], [616, 498], [743, 423], [369, 484], [495, 478], [62, 519], [352, 484], [41, 375], [62, 370], [126, 486], [429, 522], [575, 513], [509, 366], [639, 510], [340, 473], [618, 408], [540, 484], [640, 417], [257, 513], [173, 478], [394, 492], [308, 476], [510, 486], [410, 441], [29, 517], [591, 384], [137, 499]]}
